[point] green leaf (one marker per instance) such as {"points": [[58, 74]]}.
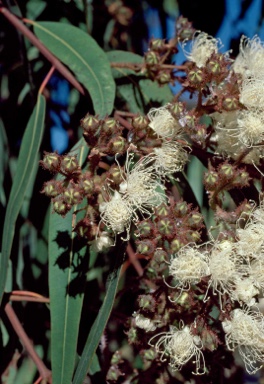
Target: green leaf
{"points": [[68, 262], [27, 158], [86, 362], [3, 160], [84, 57]]}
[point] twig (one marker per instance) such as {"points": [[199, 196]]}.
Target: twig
{"points": [[46, 80], [43, 370], [134, 261], [41, 47]]}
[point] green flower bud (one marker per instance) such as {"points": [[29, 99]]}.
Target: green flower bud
{"points": [[61, 207], [90, 123], [69, 164], [181, 209], [145, 247], [140, 122], [51, 162], [195, 77], [157, 45], [151, 58], [165, 226], [72, 196]]}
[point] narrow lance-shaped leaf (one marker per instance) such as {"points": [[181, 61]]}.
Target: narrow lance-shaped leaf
{"points": [[98, 327], [84, 57], [67, 276], [28, 155]]}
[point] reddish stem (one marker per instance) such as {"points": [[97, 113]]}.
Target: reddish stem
{"points": [[46, 80], [133, 260], [43, 370], [41, 47]]}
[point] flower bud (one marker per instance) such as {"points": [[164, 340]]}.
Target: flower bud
{"points": [[226, 171], [176, 109], [160, 256], [230, 103], [117, 145], [192, 236], [110, 126], [69, 165], [72, 195], [151, 58], [90, 123], [162, 210], [60, 207], [163, 77], [147, 303], [52, 188], [165, 227], [214, 67], [195, 220], [140, 122], [86, 184], [51, 162], [176, 245], [181, 209], [145, 247], [144, 229], [157, 45], [195, 77], [210, 180]]}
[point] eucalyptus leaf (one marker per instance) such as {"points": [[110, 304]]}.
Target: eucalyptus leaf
{"points": [[28, 156], [80, 52]]}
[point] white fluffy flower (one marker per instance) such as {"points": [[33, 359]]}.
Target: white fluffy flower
{"points": [[250, 239], [256, 270], [116, 214], [144, 323], [250, 130], [245, 291], [163, 123], [102, 242], [141, 187], [179, 346], [202, 48], [188, 267], [251, 93], [249, 61], [225, 268], [245, 331], [170, 158]]}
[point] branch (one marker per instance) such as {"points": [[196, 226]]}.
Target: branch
{"points": [[43, 370], [41, 47]]}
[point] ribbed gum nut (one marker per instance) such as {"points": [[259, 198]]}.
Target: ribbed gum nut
{"points": [[243, 177], [195, 220], [192, 236], [176, 109], [230, 103], [163, 78], [69, 164], [132, 335], [109, 125], [162, 210], [146, 302], [87, 185], [60, 207], [214, 67], [52, 188], [117, 145], [151, 58], [157, 45], [181, 209], [211, 180], [72, 196], [145, 247], [227, 171], [51, 162], [90, 123], [195, 77], [115, 174], [140, 122], [160, 256], [175, 245], [165, 226], [144, 229]]}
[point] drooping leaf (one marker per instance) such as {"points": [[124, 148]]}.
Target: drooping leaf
{"points": [[67, 276], [3, 160], [84, 57], [27, 158], [86, 362]]}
